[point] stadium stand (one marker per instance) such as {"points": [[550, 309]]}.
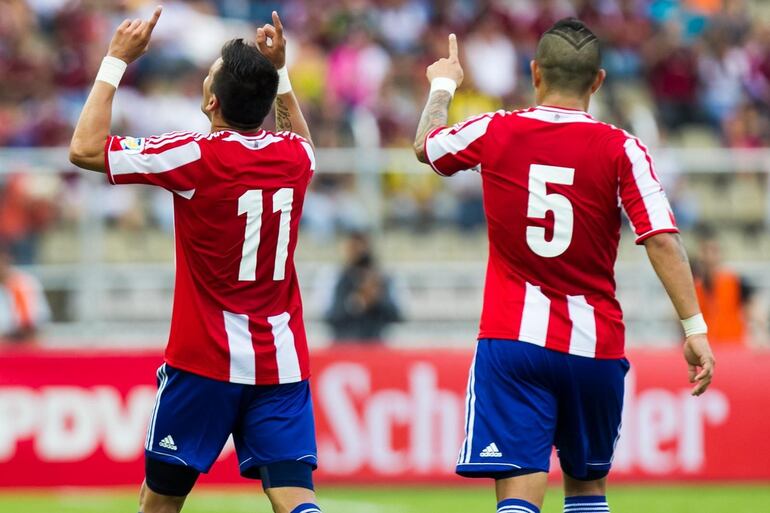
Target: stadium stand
{"points": [[690, 77]]}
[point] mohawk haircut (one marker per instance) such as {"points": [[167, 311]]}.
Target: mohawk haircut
{"points": [[569, 56]]}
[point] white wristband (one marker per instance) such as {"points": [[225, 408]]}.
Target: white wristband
{"points": [[695, 325], [443, 84], [284, 84], [111, 71]]}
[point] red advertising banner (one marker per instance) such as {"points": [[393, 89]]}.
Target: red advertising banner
{"points": [[79, 418]]}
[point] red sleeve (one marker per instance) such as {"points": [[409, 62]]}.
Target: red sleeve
{"points": [[459, 147], [641, 193], [171, 161]]}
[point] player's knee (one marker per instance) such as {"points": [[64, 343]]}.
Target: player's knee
{"points": [[167, 480], [575, 487], [292, 500], [288, 484]]}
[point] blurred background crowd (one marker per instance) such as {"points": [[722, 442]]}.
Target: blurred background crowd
{"points": [[690, 77]]}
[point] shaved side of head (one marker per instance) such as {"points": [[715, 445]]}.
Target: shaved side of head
{"points": [[569, 57]]}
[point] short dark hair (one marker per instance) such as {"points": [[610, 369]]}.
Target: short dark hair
{"points": [[569, 56], [245, 85]]}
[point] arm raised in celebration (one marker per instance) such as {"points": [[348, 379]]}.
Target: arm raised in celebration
{"points": [[288, 114], [444, 75], [130, 41]]}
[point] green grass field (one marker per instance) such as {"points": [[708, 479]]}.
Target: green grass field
{"points": [[623, 499]]}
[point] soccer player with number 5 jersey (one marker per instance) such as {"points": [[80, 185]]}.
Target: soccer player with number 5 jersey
{"points": [[549, 364], [237, 359]]}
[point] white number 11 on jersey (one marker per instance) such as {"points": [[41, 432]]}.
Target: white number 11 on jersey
{"points": [[250, 203], [540, 202]]}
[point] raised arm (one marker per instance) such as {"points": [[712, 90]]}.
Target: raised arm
{"points": [[444, 75], [288, 114], [93, 127], [669, 259]]}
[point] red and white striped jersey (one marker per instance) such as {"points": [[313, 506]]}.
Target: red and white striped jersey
{"points": [[554, 182], [238, 198]]}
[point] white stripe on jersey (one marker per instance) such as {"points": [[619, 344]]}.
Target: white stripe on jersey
{"points": [[583, 338], [445, 142], [310, 154], [655, 202], [285, 350], [243, 362], [124, 163], [535, 316], [163, 140]]}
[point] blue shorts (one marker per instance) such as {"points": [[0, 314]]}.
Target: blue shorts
{"points": [[194, 416], [524, 399]]}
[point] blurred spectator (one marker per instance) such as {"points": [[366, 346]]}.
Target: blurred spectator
{"points": [[673, 77], [358, 67], [730, 305], [491, 58], [23, 215], [363, 304], [23, 306]]}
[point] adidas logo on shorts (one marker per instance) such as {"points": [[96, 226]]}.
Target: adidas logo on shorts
{"points": [[168, 443], [491, 451]]}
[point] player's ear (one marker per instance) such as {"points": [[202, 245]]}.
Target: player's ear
{"points": [[598, 81], [536, 77], [212, 105]]}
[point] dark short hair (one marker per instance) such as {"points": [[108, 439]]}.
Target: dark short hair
{"points": [[245, 85], [569, 56]]}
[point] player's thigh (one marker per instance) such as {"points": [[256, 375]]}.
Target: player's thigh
{"points": [[511, 411], [275, 436], [192, 418], [591, 409]]}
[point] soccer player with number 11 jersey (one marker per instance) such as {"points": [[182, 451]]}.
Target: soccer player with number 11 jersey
{"points": [[549, 363], [237, 359]]}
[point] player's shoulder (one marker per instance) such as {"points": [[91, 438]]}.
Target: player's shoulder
{"points": [[175, 138]]}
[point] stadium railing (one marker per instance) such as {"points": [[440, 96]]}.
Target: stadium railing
{"points": [[123, 303]]}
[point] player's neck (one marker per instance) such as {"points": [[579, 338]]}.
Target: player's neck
{"points": [[564, 101], [220, 125]]}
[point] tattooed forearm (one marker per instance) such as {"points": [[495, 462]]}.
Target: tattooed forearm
{"points": [[282, 116], [434, 115]]}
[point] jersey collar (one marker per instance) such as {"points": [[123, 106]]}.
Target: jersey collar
{"points": [[563, 110]]}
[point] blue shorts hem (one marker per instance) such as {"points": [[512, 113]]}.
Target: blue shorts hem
{"points": [[172, 459], [494, 470], [249, 464]]}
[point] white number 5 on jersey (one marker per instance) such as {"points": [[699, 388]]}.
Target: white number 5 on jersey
{"points": [[540, 202]]}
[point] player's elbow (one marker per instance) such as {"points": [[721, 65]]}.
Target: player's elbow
{"points": [[663, 242], [86, 156], [419, 151]]}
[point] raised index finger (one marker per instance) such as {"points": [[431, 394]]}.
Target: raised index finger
{"points": [[155, 17], [277, 23], [452, 46]]}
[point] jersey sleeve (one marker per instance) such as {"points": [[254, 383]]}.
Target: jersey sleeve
{"points": [[459, 147], [308, 165], [641, 193], [171, 161]]}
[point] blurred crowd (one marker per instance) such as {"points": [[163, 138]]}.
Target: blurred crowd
{"points": [[675, 67]]}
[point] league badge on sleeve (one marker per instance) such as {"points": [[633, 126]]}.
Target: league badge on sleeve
{"points": [[132, 145]]}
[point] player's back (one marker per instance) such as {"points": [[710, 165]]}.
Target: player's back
{"points": [[554, 180], [237, 203]]}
